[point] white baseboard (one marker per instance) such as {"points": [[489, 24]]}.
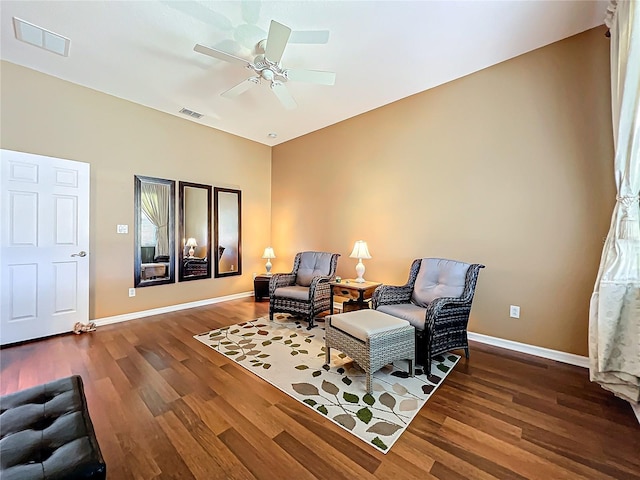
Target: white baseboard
{"points": [[171, 308], [557, 355]]}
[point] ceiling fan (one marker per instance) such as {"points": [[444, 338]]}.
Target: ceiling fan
{"points": [[266, 65]]}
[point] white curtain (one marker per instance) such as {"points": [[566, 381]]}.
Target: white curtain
{"points": [[155, 204], [614, 316]]}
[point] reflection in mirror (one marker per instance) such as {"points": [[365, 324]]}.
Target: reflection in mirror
{"points": [[195, 231], [154, 255], [228, 245]]}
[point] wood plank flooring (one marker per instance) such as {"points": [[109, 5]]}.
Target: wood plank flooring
{"points": [[166, 406]]}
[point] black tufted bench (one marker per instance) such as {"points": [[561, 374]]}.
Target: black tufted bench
{"points": [[46, 433]]}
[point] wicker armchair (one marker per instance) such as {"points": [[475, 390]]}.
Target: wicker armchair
{"points": [[305, 291], [436, 300]]}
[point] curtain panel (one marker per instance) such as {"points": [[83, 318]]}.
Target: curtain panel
{"points": [[614, 315], [155, 203]]}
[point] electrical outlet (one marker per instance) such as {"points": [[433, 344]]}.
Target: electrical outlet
{"points": [[514, 311], [132, 292], [122, 229]]}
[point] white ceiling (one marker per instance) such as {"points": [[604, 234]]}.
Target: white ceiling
{"points": [[381, 51]]}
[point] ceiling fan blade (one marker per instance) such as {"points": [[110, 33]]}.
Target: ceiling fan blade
{"points": [[311, 76], [276, 41], [309, 36], [241, 87], [283, 95], [220, 55]]}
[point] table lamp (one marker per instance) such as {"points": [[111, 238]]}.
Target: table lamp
{"points": [[360, 251], [268, 254], [191, 242]]}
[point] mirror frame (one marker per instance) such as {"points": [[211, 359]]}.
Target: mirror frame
{"points": [[181, 226], [216, 235], [138, 282]]}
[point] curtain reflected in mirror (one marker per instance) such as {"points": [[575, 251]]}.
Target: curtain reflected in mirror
{"points": [[195, 231], [154, 255], [227, 232]]}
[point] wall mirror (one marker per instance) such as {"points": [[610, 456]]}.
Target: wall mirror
{"points": [[227, 232], [194, 231], [154, 255]]}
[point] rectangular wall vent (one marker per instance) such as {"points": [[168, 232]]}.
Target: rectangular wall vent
{"points": [[191, 113], [39, 37]]}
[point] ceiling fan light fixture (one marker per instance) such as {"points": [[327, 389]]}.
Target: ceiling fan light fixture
{"points": [[266, 64]]}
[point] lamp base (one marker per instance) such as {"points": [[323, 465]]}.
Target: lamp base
{"points": [[360, 271], [268, 267]]}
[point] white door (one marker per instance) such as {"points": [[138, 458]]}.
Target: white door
{"points": [[44, 263]]}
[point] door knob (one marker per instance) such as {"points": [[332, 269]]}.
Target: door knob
{"points": [[81, 254]]}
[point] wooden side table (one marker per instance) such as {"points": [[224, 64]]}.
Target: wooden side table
{"points": [[358, 294], [261, 286]]}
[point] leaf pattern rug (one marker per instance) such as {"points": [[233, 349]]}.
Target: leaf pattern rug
{"points": [[292, 358]]}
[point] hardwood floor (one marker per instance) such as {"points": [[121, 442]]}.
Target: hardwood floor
{"points": [[166, 406]]}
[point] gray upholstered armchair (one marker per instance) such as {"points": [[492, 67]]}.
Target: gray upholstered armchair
{"points": [[436, 300], [305, 291]]}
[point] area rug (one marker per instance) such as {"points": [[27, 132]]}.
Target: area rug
{"points": [[287, 355]]}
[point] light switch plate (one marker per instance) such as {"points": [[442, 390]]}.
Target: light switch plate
{"points": [[123, 229]]}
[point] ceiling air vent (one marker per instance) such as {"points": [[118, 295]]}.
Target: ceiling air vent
{"points": [[191, 113], [39, 37]]}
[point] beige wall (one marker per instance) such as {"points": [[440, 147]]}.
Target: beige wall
{"points": [[510, 167], [48, 116]]}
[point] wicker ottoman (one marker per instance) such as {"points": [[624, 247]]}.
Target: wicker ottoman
{"points": [[371, 338]]}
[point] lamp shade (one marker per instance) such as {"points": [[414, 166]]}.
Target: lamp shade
{"points": [[360, 250], [191, 243]]}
